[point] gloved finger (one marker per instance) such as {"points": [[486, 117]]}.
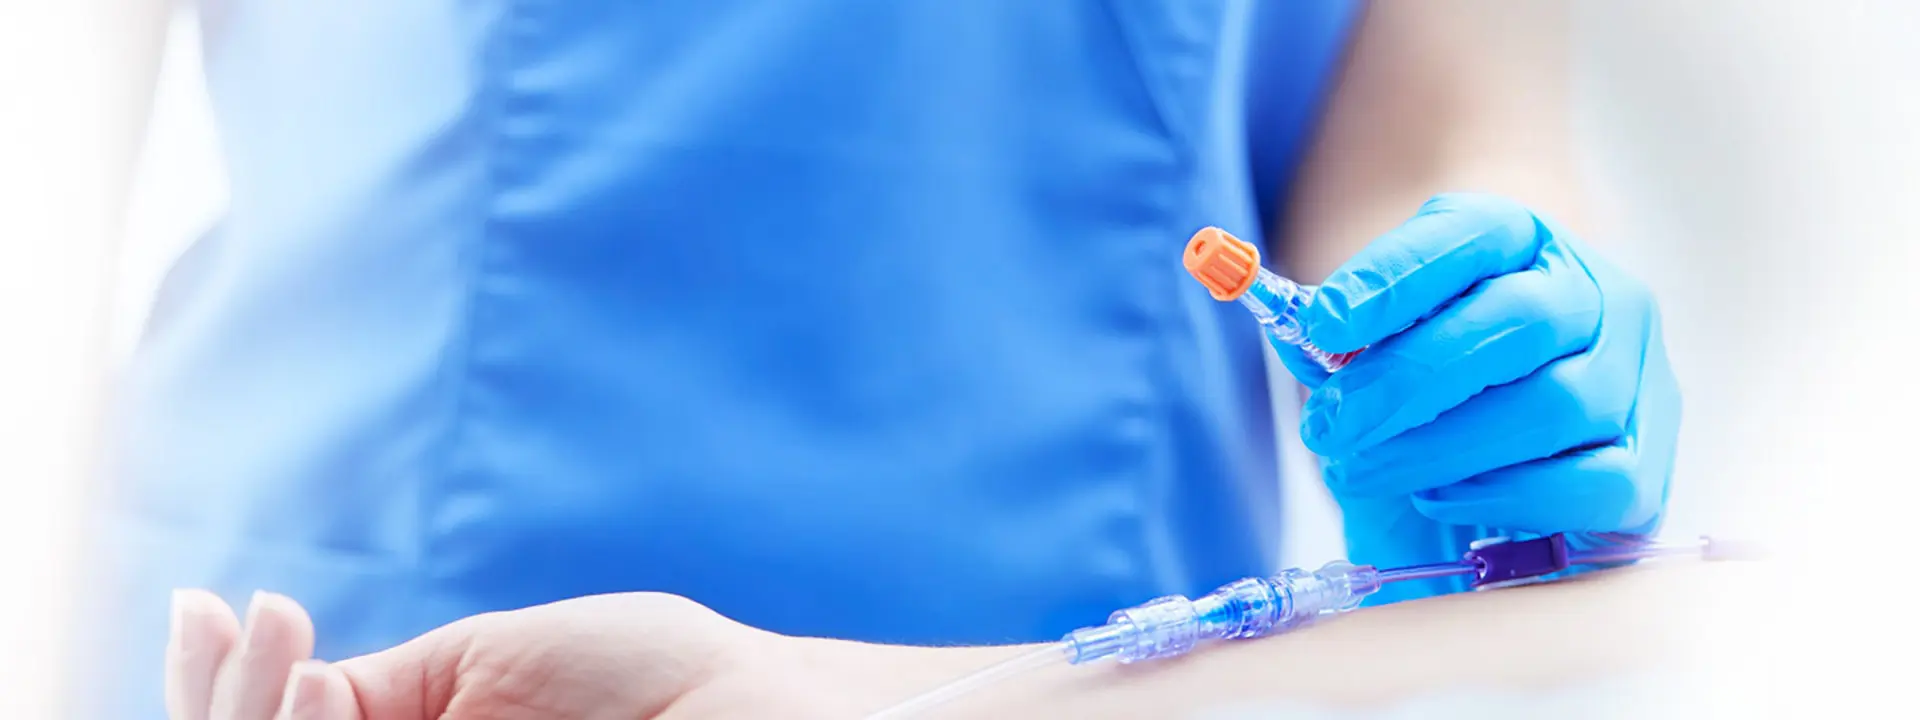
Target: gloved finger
{"points": [[1618, 487], [1634, 334], [1499, 332], [203, 632], [253, 680], [1572, 402], [1301, 367], [1455, 241], [1391, 532], [318, 691], [1594, 490]]}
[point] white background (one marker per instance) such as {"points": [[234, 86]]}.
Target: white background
{"points": [[1758, 159]]}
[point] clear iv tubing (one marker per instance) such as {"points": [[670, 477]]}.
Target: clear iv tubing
{"points": [[1277, 303], [1230, 270], [1261, 606], [1017, 665], [1172, 625]]}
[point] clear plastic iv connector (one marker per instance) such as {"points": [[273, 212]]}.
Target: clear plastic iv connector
{"points": [[1173, 625], [1230, 268], [1246, 608], [1293, 598]]}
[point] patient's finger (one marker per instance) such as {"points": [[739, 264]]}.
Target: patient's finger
{"points": [[318, 691], [252, 682], [203, 631]]}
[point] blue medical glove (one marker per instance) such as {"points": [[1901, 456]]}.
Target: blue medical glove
{"points": [[1513, 382]]}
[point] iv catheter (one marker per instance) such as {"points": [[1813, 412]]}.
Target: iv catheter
{"points": [[1293, 598], [1230, 268], [1262, 606]]}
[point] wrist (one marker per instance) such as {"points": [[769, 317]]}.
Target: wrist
{"points": [[819, 677]]}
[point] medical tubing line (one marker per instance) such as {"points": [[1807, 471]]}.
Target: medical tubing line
{"points": [[1250, 607], [1637, 552], [1640, 551], [1011, 667], [1277, 303], [1426, 572]]}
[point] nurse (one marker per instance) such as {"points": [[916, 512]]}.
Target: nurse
{"points": [[854, 319]]}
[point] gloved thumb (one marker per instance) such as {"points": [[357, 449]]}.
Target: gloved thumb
{"points": [[414, 681], [1301, 367], [1389, 532]]}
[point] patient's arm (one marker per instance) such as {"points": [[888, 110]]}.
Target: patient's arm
{"points": [[1515, 639], [654, 655]]}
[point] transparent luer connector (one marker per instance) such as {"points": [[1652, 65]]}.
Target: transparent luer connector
{"points": [[1247, 608], [1230, 269], [1256, 607], [1277, 302]]}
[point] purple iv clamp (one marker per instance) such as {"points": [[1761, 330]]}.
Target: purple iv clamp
{"points": [[1260, 606], [1256, 607]]}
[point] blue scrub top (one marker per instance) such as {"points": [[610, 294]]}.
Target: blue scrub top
{"points": [[845, 318]]}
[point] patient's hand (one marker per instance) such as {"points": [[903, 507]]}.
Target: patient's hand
{"points": [[633, 655], [652, 655]]}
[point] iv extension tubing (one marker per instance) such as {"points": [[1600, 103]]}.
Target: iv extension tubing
{"points": [[1255, 607], [1262, 606], [1230, 269]]}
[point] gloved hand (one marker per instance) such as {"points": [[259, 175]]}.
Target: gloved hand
{"points": [[1512, 380]]}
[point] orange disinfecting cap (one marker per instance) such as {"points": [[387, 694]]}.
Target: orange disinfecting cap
{"points": [[1225, 264]]}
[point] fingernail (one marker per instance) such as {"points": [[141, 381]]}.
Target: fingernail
{"points": [[251, 625], [1333, 475], [1326, 399], [306, 697], [1316, 429]]}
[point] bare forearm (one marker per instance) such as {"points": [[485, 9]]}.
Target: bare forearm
{"points": [[1436, 97], [1527, 638]]}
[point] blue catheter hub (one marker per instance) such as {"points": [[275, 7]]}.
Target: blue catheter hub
{"points": [[1259, 606]]}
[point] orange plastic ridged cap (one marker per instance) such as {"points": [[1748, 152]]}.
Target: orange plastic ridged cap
{"points": [[1225, 264]]}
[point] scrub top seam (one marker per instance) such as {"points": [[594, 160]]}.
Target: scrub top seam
{"points": [[1155, 569], [1165, 318], [1131, 47], [493, 99]]}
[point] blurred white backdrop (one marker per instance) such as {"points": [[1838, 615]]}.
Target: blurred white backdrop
{"points": [[180, 190], [52, 252], [1718, 139], [1755, 159]]}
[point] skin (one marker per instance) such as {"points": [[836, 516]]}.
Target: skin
{"points": [[1460, 96], [1435, 96], [661, 656], [629, 655]]}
